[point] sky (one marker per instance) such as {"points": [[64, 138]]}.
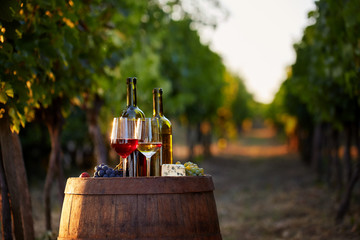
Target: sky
{"points": [[256, 41]]}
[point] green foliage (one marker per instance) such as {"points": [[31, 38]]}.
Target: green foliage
{"points": [[194, 71], [243, 105], [238, 103], [325, 79], [58, 49], [80, 50], [277, 108]]}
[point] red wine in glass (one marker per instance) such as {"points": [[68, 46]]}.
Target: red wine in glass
{"points": [[124, 147], [125, 135]]}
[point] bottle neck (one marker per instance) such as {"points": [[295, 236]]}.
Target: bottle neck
{"points": [[131, 93], [157, 103]]}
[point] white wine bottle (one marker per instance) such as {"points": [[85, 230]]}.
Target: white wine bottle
{"points": [[165, 155]]}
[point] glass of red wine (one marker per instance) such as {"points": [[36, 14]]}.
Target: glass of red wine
{"points": [[125, 137], [150, 141]]}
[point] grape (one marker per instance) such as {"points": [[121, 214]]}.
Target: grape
{"points": [[101, 173], [118, 173], [192, 169], [103, 170], [84, 174]]}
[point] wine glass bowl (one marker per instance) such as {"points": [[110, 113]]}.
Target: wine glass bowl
{"points": [[149, 149], [124, 147], [125, 135], [150, 141]]}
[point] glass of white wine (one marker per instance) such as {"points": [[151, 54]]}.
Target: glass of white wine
{"points": [[150, 141]]}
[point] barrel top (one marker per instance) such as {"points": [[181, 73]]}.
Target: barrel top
{"points": [[138, 185]]}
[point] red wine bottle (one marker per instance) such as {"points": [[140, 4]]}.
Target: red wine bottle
{"points": [[133, 111], [165, 154]]}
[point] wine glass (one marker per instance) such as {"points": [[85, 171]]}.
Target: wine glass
{"points": [[150, 141], [125, 136]]}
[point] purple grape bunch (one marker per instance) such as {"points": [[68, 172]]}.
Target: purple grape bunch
{"points": [[104, 170]]}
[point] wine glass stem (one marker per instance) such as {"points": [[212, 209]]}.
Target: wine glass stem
{"points": [[148, 166], [124, 167]]}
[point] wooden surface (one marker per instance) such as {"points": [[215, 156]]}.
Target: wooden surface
{"points": [[138, 185], [139, 208]]}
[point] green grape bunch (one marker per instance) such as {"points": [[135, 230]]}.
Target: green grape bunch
{"points": [[192, 169]]}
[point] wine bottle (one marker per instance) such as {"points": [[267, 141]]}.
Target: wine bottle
{"points": [[137, 162], [165, 155]]}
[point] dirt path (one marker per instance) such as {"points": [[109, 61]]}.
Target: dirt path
{"points": [[263, 192]]}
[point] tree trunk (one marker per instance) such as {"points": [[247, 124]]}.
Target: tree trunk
{"points": [[191, 142], [347, 152], [337, 164], [346, 200], [316, 151], [92, 114], [345, 203], [6, 223], [328, 156], [60, 175], [51, 172], [16, 179], [54, 122], [305, 143], [205, 129], [206, 140]]}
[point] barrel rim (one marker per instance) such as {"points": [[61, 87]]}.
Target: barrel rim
{"points": [[209, 236], [138, 185]]}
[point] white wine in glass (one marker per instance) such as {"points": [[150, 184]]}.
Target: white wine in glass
{"points": [[150, 141]]}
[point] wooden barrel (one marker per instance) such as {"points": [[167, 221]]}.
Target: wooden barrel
{"points": [[139, 208]]}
